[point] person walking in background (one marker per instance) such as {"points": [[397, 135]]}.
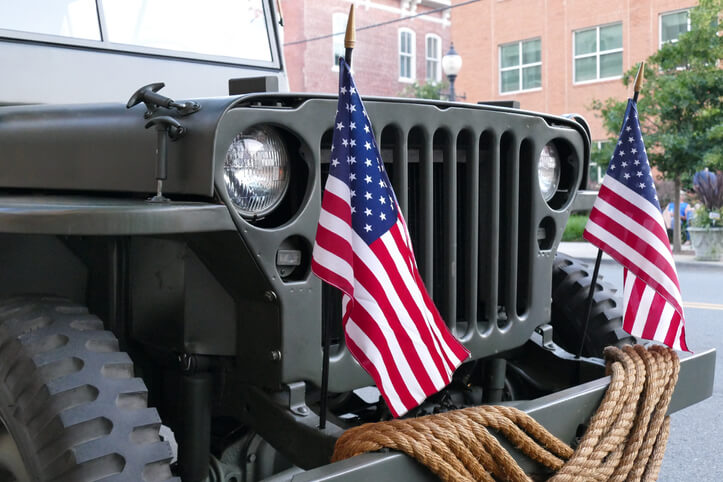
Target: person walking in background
{"points": [[686, 213], [668, 220]]}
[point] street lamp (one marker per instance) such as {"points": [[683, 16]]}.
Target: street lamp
{"points": [[451, 63]]}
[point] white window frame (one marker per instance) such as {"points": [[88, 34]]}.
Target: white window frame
{"points": [[660, 25], [412, 55], [437, 58], [337, 40], [595, 54], [517, 67]]}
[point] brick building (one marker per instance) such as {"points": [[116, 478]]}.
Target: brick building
{"points": [[407, 48], [557, 56]]}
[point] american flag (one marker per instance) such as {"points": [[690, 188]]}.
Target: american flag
{"points": [[363, 248], [626, 223]]}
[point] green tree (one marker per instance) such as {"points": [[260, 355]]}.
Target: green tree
{"points": [[426, 90], [680, 109]]}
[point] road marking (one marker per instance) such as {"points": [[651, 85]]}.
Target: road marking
{"points": [[702, 306]]}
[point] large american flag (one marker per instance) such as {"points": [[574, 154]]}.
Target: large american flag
{"points": [[626, 223], [363, 248]]}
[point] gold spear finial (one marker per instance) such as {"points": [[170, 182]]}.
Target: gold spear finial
{"points": [[639, 78], [350, 37]]}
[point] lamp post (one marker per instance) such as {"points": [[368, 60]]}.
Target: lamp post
{"points": [[451, 63]]}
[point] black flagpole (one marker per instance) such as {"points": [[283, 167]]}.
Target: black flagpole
{"points": [[349, 41], [638, 84]]}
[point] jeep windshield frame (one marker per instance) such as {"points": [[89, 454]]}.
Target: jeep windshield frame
{"points": [[101, 24]]}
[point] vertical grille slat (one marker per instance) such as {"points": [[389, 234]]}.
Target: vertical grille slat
{"points": [[489, 144], [510, 212], [427, 215], [401, 170], [450, 229], [471, 230]]}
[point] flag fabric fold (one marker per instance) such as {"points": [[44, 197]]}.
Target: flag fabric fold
{"points": [[626, 223], [362, 247]]}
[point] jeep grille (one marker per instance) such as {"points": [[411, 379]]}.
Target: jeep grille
{"points": [[483, 236]]}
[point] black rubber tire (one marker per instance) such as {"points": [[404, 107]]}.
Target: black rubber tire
{"points": [[69, 399], [570, 288]]}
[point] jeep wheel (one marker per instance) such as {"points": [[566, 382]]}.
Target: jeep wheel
{"points": [[69, 404], [570, 287]]}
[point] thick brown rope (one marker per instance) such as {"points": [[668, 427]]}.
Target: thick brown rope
{"points": [[625, 439]]}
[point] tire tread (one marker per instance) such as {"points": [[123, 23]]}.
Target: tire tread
{"points": [[73, 396], [571, 286]]}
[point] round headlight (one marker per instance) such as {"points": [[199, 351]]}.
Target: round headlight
{"points": [[256, 171], [548, 171]]}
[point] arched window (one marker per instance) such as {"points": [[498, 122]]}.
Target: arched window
{"points": [[406, 55], [433, 47]]}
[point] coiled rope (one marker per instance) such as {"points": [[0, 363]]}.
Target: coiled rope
{"points": [[625, 439]]}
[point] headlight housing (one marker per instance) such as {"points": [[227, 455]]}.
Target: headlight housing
{"points": [[256, 171], [548, 171]]}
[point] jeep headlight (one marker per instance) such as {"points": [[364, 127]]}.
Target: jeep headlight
{"points": [[256, 171], [548, 171]]}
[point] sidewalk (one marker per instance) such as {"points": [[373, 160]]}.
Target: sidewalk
{"points": [[587, 252]]}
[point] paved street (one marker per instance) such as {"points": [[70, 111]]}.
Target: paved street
{"points": [[693, 451]]}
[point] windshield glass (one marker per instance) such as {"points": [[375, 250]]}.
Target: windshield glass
{"points": [[233, 29], [227, 28], [66, 18]]}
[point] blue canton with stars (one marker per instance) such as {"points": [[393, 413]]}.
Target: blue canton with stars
{"points": [[355, 160], [629, 164]]}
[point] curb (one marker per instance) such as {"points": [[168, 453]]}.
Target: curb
{"points": [[588, 253], [678, 262]]}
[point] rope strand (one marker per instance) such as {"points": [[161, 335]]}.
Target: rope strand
{"points": [[625, 439]]}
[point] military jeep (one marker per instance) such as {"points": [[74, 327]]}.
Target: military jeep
{"points": [[156, 253]]}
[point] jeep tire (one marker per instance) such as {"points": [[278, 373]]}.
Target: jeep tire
{"points": [[570, 288], [69, 400]]}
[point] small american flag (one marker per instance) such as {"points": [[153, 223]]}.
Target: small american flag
{"points": [[363, 248], [626, 223]]}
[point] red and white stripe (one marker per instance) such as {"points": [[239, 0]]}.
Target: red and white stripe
{"points": [[631, 230], [392, 326], [654, 318]]}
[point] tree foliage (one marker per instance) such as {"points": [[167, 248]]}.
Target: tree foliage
{"points": [[680, 108], [426, 90]]}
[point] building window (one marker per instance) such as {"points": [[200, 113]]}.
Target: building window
{"points": [[599, 53], [338, 28], [434, 56], [520, 66], [406, 55], [672, 25]]}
